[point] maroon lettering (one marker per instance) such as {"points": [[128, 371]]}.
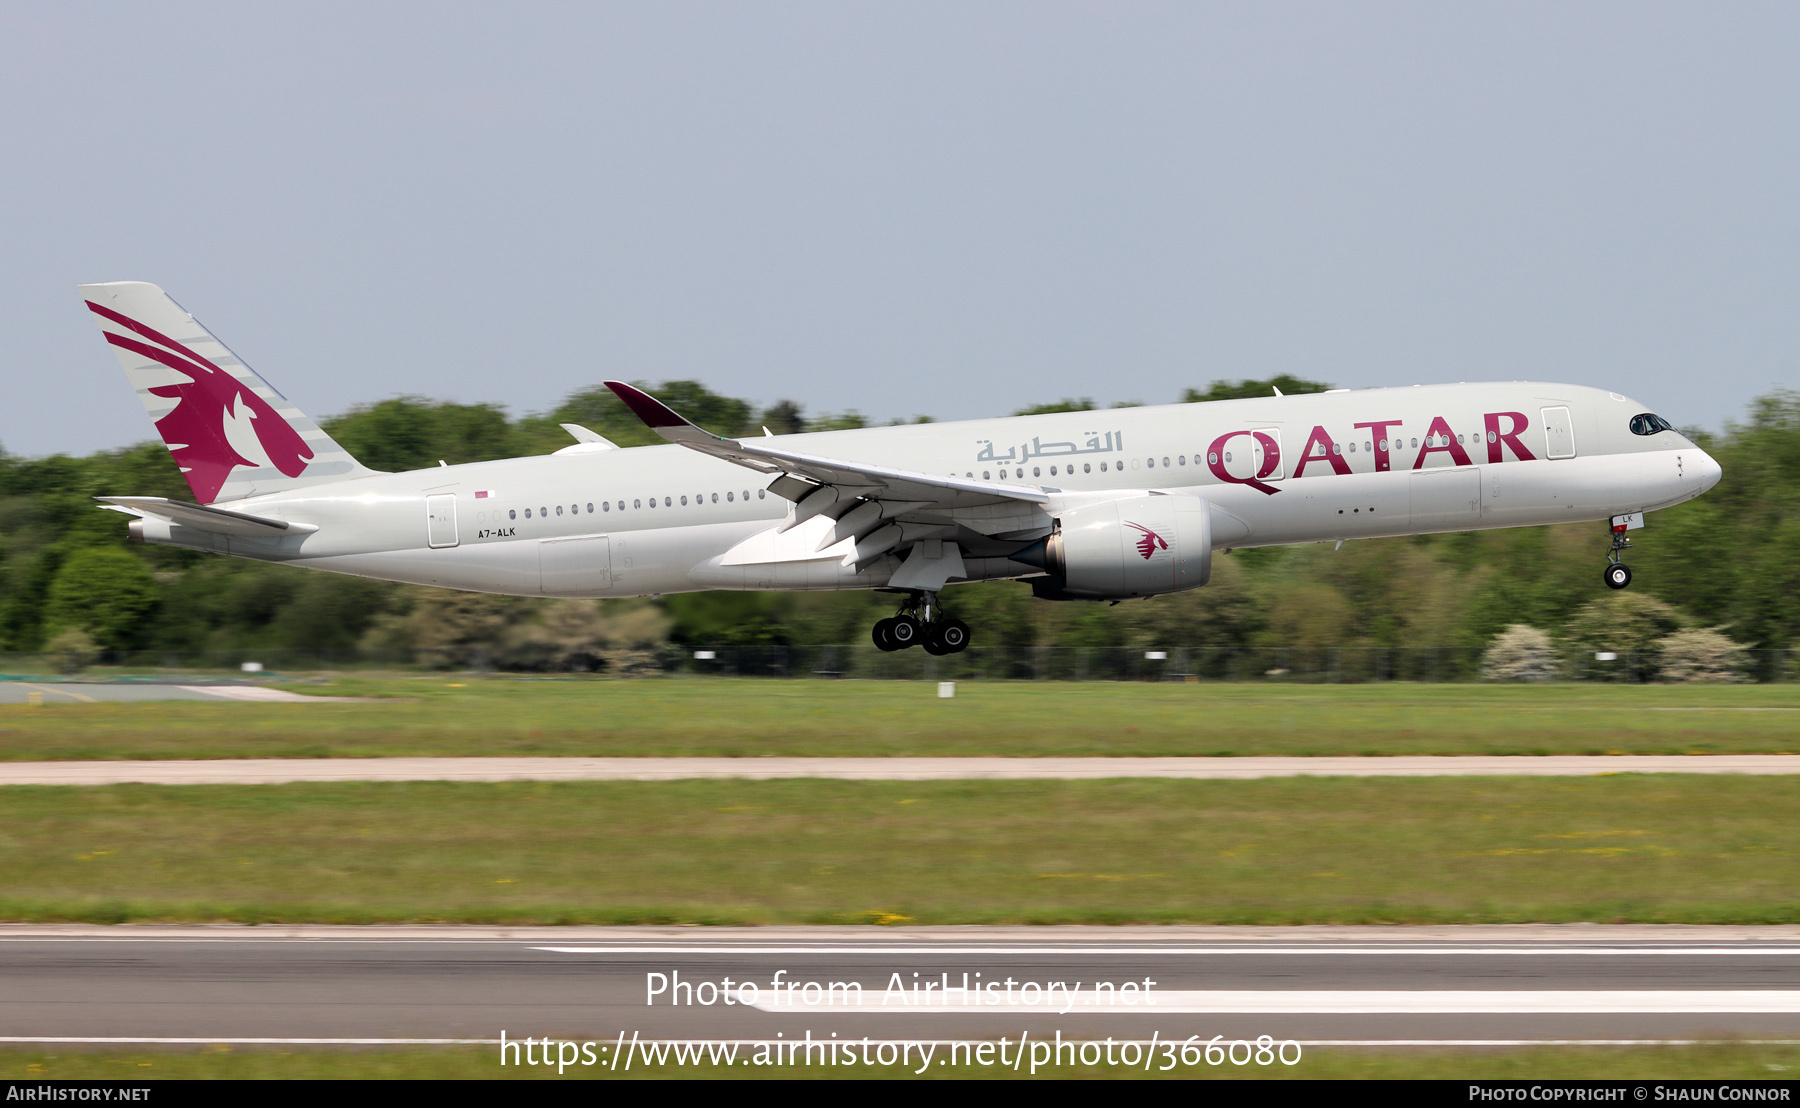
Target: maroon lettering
{"points": [[1379, 431], [1448, 445], [1215, 461], [1498, 438], [1271, 453], [1329, 454]]}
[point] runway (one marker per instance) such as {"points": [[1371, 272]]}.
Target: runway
{"points": [[1362, 985], [274, 771], [82, 692]]}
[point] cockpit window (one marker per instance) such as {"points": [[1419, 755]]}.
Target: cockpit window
{"points": [[1648, 424]]}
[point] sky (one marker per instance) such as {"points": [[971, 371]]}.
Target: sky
{"points": [[954, 209]]}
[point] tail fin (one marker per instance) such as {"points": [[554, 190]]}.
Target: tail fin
{"points": [[232, 435]]}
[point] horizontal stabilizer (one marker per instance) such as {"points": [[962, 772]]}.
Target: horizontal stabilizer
{"points": [[201, 517]]}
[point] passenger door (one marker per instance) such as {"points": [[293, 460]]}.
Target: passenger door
{"points": [[440, 519], [1559, 433]]}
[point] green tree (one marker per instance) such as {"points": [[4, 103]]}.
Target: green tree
{"points": [[784, 417], [1247, 389], [1066, 404], [104, 592], [602, 412], [838, 421], [1631, 625], [410, 432]]}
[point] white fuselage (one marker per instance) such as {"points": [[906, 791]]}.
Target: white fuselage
{"points": [[1275, 470]]}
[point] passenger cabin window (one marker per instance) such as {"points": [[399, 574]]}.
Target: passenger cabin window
{"points": [[513, 513], [1648, 424]]}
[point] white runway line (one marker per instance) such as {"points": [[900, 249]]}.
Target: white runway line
{"points": [[1191, 951], [191, 1040], [262, 694], [275, 771], [1310, 1002]]}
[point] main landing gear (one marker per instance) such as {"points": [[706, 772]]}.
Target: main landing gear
{"points": [[920, 622], [1617, 574]]}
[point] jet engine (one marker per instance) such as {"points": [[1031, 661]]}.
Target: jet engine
{"points": [[1117, 549]]}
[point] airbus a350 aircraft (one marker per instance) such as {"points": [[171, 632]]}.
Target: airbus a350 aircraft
{"points": [[1096, 505]]}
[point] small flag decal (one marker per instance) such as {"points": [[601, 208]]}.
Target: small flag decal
{"points": [[483, 494]]}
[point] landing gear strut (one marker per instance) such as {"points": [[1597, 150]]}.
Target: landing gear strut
{"points": [[1617, 574], [920, 622]]}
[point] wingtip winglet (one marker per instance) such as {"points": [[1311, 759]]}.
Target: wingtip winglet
{"points": [[652, 411]]}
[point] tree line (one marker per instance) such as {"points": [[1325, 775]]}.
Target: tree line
{"points": [[1723, 563]]}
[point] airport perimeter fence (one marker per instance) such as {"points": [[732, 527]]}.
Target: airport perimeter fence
{"points": [[862, 661]]}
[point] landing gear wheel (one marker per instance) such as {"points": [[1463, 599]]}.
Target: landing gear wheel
{"points": [[1618, 575], [903, 631], [883, 635], [949, 637]]}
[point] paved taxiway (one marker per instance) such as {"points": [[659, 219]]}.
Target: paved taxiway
{"points": [[274, 771], [1316, 985], [82, 692]]}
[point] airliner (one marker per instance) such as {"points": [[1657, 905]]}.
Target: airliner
{"points": [[1107, 505]]}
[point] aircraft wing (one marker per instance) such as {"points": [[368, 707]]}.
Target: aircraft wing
{"points": [[204, 517], [874, 510], [851, 479]]}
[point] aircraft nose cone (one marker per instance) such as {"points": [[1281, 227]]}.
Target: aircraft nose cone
{"points": [[1706, 470]]}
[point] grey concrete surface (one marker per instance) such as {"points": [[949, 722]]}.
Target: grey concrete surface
{"points": [[269, 771], [237, 984], [83, 692]]}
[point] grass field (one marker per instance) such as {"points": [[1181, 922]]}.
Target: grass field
{"points": [[1732, 1061], [1627, 848], [747, 717]]}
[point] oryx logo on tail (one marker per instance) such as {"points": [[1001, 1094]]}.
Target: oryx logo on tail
{"points": [[216, 420], [1151, 541]]}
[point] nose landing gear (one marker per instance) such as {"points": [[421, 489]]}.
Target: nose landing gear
{"points": [[1617, 574], [920, 622]]}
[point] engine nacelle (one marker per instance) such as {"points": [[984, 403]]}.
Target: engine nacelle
{"points": [[1116, 549]]}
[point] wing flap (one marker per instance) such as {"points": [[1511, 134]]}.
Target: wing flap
{"points": [[857, 511]]}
